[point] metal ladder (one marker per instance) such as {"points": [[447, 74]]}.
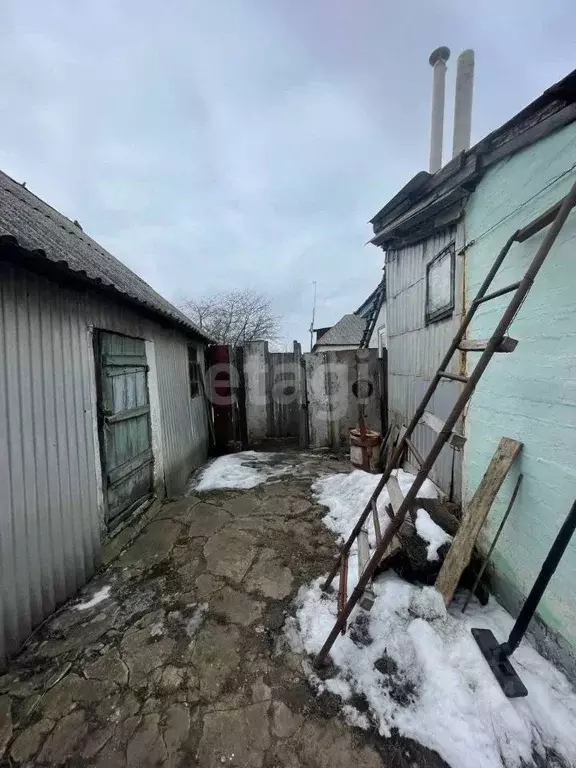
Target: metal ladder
{"points": [[373, 317], [498, 342]]}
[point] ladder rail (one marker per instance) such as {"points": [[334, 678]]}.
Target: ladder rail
{"points": [[496, 338], [397, 453]]}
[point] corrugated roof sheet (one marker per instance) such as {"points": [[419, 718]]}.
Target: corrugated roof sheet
{"points": [[39, 227], [348, 330]]}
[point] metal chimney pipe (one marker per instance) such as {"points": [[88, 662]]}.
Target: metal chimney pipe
{"points": [[438, 59], [463, 102]]}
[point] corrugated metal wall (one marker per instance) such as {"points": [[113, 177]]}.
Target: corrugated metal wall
{"points": [[184, 423], [415, 349], [50, 506], [283, 371]]}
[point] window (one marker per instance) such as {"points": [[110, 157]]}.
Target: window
{"points": [[193, 371], [440, 285]]}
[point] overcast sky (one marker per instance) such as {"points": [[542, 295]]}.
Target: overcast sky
{"points": [[246, 143]]}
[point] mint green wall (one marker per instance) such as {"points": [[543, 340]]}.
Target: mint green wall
{"points": [[529, 395]]}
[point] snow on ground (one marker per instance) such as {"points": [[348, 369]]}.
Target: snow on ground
{"points": [[97, 597], [427, 529], [346, 495], [419, 667], [242, 470]]}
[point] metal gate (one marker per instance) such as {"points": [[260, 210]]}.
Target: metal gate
{"points": [[228, 396], [124, 421]]}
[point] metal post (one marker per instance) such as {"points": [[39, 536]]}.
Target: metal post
{"points": [[496, 537], [546, 572]]}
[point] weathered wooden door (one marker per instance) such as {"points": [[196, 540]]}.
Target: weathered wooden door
{"points": [[124, 417]]}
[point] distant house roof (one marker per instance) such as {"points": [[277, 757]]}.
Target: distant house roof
{"points": [[347, 332], [27, 221], [431, 201]]}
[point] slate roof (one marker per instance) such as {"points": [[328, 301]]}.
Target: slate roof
{"points": [[38, 227], [347, 331]]}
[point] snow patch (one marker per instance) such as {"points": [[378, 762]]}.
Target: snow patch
{"points": [[421, 672], [195, 622], [354, 717], [346, 495], [418, 666], [97, 597], [242, 470], [427, 529]]}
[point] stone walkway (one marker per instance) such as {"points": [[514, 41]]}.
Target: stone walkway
{"points": [[183, 664]]}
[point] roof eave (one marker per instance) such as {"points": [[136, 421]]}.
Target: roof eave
{"points": [[36, 260], [554, 109]]}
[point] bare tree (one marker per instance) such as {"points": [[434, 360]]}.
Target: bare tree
{"points": [[235, 317]]}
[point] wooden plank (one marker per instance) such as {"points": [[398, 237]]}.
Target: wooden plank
{"points": [[376, 521], [123, 361], [363, 551], [507, 344], [393, 439], [460, 552], [415, 452], [456, 440], [395, 493], [118, 474], [130, 413]]}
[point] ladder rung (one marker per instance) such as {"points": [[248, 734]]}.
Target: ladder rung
{"points": [[456, 439], [507, 344], [539, 223], [453, 376], [377, 530], [501, 292]]}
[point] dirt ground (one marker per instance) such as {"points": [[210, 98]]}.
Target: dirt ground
{"points": [[184, 663]]}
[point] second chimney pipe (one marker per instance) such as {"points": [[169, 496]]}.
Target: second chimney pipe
{"points": [[438, 59], [463, 102]]}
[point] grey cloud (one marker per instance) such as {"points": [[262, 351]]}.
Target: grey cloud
{"points": [[247, 142]]}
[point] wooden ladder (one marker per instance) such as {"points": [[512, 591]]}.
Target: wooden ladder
{"points": [[498, 342]]}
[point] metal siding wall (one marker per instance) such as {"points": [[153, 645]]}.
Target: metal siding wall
{"points": [[185, 440], [49, 526], [50, 522], [415, 350]]}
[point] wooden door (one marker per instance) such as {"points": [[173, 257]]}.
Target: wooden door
{"points": [[124, 417]]}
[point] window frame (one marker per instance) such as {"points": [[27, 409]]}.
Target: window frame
{"points": [[448, 309], [194, 371]]}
